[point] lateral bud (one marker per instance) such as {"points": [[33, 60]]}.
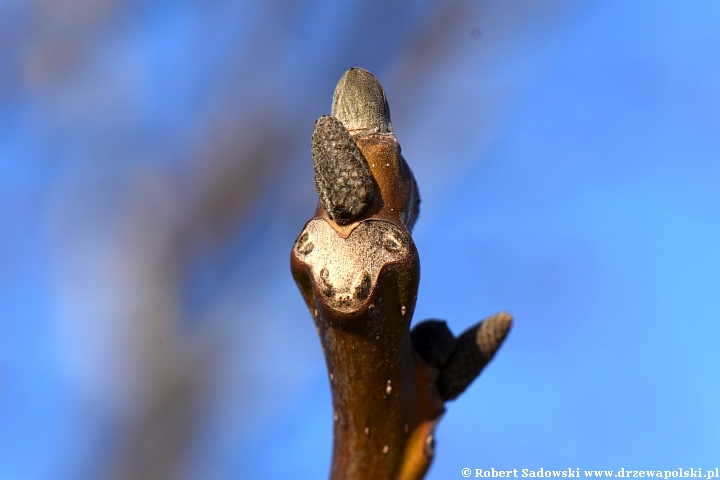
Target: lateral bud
{"points": [[474, 349]]}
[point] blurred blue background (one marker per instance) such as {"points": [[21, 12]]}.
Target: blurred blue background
{"points": [[155, 170]]}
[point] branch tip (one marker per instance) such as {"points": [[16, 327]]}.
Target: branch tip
{"points": [[359, 103]]}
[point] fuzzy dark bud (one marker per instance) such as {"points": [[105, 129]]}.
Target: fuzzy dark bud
{"points": [[342, 176]]}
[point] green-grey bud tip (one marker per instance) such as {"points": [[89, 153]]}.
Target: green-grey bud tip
{"points": [[359, 103]]}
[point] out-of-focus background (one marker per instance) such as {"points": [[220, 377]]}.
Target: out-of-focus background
{"points": [[155, 170]]}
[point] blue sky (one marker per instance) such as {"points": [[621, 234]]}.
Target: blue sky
{"points": [[155, 170]]}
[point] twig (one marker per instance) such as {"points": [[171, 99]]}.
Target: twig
{"points": [[358, 271]]}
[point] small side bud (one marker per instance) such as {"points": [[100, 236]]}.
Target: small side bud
{"points": [[359, 103], [434, 341], [474, 350]]}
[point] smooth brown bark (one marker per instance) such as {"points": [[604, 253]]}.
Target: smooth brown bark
{"points": [[359, 279]]}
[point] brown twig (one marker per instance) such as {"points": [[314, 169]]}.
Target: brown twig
{"points": [[358, 271]]}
